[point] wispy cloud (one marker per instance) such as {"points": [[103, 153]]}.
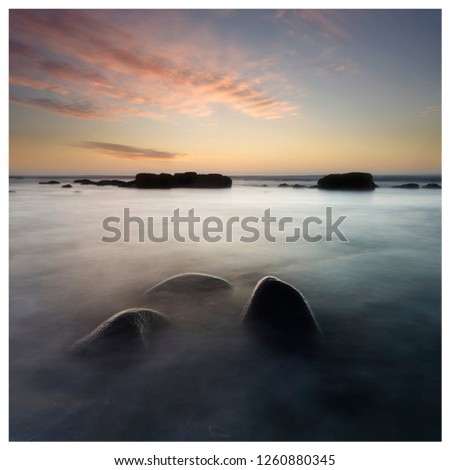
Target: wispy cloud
{"points": [[429, 110], [82, 109], [128, 151], [120, 70], [324, 21]]}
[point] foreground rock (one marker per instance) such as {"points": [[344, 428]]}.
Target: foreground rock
{"points": [[49, 182], [66, 186], [432, 186], [348, 181], [181, 180], [190, 283], [407, 186], [279, 314], [131, 330]]}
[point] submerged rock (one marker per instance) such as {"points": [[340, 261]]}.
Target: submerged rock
{"points": [[49, 182], [84, 181], [66, 186], [279, 313], [348, 181], [432, 186], [407, 186], [296, 185], [191, 283], [127, 331]]}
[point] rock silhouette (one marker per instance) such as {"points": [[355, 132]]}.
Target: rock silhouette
{"points": [[407, 186], [348, 181], [278, 313], [296, 185], [49, 182], [432, 186], [166, 181], [181, 180], [131, 330], [66, 186]]}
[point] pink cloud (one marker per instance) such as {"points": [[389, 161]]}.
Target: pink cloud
{"points": [[322, 20], [89, 54], [430, 110]]}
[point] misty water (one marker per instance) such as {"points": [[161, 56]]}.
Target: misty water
{"points": [[377, 299]]}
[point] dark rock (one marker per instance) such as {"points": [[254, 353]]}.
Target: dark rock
{"points": [[296, 185], [153, 181], [279, 314], [110, 183], [191, 283], [84, 181], [127, 184], [407, 186], [128, 331], [347, 181], [194, 301], [432, 186], [181, 180], [118, 183], [66, 186], [49, 182], [211, 180]]}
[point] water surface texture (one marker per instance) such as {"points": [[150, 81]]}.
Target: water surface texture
{"points": [[376, 297]]}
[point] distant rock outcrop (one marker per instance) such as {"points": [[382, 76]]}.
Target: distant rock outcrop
{"points": [[432, 186], [278, 313], [296, 185], [166, 181], [181, 180], [127, 331], [66, 186], [347, 181], [407, 186], [84, 181], [49, 182]]}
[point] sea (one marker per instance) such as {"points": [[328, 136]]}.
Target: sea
{"points": [[375, 292]]}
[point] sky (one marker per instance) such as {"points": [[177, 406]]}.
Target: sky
{"points": [[231, 91]]}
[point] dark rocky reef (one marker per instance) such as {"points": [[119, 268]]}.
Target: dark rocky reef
{"points": [[49, 182], [432, 186], [296, 185], [181, 180], [66, 186], [128, 331], [279, 315], [348, 181], [166, 181], [84, 181], [407, 186], [119, 183]]}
